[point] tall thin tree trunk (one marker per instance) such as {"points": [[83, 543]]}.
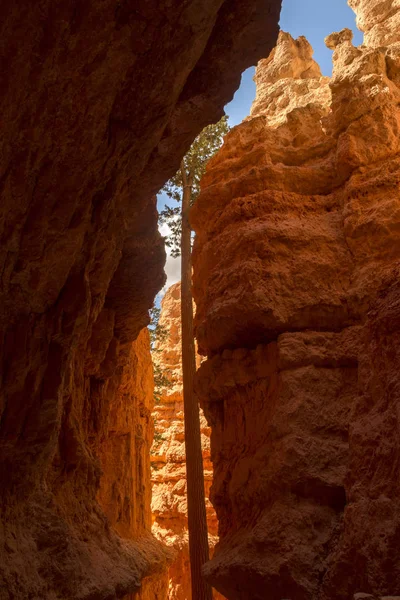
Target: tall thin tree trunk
{"points": [[197, 520]]}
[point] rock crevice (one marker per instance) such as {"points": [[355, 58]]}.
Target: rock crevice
{"points": [[169, 500]]}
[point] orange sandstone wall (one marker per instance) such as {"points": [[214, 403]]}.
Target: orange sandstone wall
{"points": [[125, 486], [296, 271], [169, 503], [99, 102], [125, 493]]}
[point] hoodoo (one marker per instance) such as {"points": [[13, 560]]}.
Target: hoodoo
{"points": [[296, 283], [99, 102]]}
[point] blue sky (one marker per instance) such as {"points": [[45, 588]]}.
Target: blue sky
{"points": [[314, 19]]}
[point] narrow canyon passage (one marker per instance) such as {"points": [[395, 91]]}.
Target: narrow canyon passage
{"points": [[297, 291], [168, 460]]}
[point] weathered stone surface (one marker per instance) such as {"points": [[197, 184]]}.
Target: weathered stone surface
{"points": [[124, 493], [293, 190], [379, 19], [372, 517], [272, 443], [169, 502], [289, 78], [99, 101], [49, 543], [296, 268]]}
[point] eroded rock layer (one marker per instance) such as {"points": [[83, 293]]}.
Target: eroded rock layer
{"points": [[169, 501], [296, 269], [99, 101]]}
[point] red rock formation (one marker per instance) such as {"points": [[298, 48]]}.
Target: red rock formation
{"points": [[368, 555], [379, 20], [289, 79], [125, 494], [169, 503], [125, 490], [99, 101], [296, 270]]}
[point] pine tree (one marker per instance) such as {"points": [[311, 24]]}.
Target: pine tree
{"points": [[158, 335], [184, 188], [163, 379]]}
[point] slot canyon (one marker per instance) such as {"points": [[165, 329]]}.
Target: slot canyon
{"points": [[296, 266], [169, 504]]}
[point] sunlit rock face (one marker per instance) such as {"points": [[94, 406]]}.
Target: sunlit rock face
{"points": [[99, 102], [379, 20], [289, 79], [169, 501], [296, 268]]}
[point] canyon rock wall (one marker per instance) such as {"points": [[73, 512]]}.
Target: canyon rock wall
{"points": [[169, 502], [296, 283], [125, 488], [99, 102], [379, 20]]}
